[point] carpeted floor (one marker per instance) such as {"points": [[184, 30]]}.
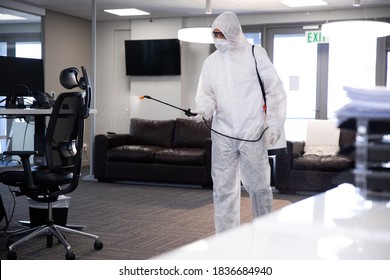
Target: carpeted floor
{"points": [[134, 222]]}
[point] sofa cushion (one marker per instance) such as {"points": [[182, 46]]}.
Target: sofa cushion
{"points": [[152, 132], [321, 149], [322, 137], [132, 153], [190, 134], [322, 163], [180, 156]]}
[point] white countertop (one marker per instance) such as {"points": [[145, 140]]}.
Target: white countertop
{"points": [[337, 224]]}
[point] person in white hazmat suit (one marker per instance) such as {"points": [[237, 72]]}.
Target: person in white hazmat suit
{"points": [[230, 93]]}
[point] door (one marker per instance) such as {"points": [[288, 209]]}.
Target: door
{"points": [[351, 63], [296, 62]]}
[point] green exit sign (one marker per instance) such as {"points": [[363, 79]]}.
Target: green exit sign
{"points": [[315, 37]]}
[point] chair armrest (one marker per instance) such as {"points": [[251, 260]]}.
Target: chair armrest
{"points": [[19, 153], [25, 158]]}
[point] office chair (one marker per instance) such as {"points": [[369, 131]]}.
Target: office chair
{"points": [[63, 153]]}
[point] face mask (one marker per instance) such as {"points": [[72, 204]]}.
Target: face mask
{"points": [[222, 44]]}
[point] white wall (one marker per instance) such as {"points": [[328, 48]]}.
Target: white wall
{"points": [[117, 94], [193, 55], [67, 44], [112, 87], [167, 88]]}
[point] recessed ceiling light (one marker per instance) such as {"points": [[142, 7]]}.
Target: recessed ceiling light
{"points": [[10, 17], [196, 35], [127, 12], [356, 29], [303, 3]]}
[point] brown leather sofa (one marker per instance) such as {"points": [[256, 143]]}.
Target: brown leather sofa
{"points": [[158, 151], [297, 171]]}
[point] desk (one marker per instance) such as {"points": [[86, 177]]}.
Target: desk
{"points": [[24, 112], [337, 224], [39, 127]]}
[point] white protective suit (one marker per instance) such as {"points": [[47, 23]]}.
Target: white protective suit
{"points": [[230, 93]]}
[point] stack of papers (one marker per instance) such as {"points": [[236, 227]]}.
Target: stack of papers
{"points": [[366, 102]]}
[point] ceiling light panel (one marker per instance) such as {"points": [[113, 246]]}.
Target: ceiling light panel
{"points": [[303, 3], [127, 12]]}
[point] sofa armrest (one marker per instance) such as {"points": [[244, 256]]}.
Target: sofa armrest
{"points": [[297, 148], [208, 179], [102, 144], [207, 147], [283, 165], [109, 141]]}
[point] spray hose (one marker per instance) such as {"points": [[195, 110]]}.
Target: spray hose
{"points": [[188, 113]]}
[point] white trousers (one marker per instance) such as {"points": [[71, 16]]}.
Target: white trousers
{"points": [[235, 162]]}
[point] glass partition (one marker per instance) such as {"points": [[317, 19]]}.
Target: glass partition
{"points": [[20, 36], [18, 28]]}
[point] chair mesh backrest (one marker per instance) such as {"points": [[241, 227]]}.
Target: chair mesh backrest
{"points": [[64, 135]]}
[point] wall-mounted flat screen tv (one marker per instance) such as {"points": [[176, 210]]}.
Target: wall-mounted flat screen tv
{"points": [[152, 57], [18, 76]]}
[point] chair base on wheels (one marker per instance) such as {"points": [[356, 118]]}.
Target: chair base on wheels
{"points": [[76, 227], [50, 230]]}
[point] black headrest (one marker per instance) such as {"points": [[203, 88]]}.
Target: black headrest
{"points": [[68, 78]]}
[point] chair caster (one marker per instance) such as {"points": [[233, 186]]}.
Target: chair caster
{"points": [[11, 255], [70, 255], [98, 245]]}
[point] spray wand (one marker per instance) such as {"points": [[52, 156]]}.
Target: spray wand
{"points": [[190, 114], [186, 111]]}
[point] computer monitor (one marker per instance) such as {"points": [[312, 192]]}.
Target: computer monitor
{"points": [[19, 77]]}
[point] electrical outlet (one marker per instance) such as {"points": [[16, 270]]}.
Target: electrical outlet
{"points": [[85, 147]]}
